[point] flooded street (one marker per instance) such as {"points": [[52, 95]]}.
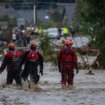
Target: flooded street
{"points": [[88, 90]]}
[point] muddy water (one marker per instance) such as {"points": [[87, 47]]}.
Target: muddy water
{"points": [[88, 90]]}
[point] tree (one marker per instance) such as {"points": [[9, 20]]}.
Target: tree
{"points": [[25, 5], [93, 13], [56, 16]]}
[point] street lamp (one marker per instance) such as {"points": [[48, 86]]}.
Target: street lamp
{"points": [[35, 12]]}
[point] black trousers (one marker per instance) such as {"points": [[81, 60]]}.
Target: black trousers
{"points": [[13, 75], [33, 73]]}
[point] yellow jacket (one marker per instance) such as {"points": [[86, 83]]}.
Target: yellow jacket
{"points": [[65, 30]]}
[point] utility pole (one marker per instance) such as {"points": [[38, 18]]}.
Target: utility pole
{"points": [[35, 12]]}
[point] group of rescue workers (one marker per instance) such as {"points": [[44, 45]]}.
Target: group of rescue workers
{"points": [[33, 64]]}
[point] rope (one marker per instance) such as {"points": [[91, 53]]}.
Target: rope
{"points": [[80, 53], [83, 45]]}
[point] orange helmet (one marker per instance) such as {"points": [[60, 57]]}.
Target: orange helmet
{"points": [[69, 42], [11, 46]]}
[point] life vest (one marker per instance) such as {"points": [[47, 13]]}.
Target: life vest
{"points": [[67, 56], [65, 31], [32, 56], [40, 30], [14, 55], [13, 58]]}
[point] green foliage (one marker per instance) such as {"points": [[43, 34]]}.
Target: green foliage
{"points": [[10, 20], [81, 9], [25, 5], [56, 16], [48, 50], [4, 18], [93, 14], [6, 1], [49, 24]]}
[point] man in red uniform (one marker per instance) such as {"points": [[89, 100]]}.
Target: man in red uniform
{"points": [[11, 61], [67, 61], [32, 60]]}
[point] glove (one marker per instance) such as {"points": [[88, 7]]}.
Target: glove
{"points": [[77, 70], [41, 71], [59, 70], [59, 67]]}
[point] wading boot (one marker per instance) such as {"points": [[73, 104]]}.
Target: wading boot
{"points": [[63, 86]]}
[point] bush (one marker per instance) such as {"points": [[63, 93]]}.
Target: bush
{"points": [[48, 50]]}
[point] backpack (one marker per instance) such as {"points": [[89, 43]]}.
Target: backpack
{"points": [[32, 56], [67, 56]]}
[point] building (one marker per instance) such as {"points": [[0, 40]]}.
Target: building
{"points": [[42, 13]]}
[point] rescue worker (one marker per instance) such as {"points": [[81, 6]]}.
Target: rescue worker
{"points": [[32, 61], [59, 33], [67, 61], [11, 61], [65, 32], [72, 31], [40, 30]]}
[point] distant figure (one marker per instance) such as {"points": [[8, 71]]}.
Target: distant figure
{"points": [[8, 36], [14, 37], [66, 32], [40, 30], [72, 31], [59, 33]]}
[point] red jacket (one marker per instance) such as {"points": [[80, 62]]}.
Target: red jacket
{"points": [[11, 60], [72, 58]]}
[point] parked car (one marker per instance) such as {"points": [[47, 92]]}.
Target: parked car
{"points": [[53, 33]]}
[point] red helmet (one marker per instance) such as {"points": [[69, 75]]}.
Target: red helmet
{"points": [[11, 46], [69, 42]]}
